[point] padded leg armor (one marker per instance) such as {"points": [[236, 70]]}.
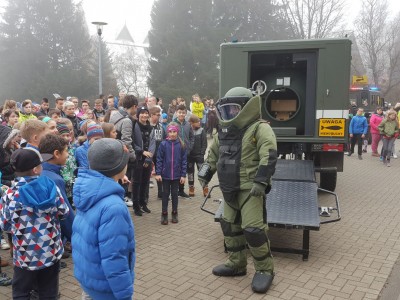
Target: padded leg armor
{"points": [[235, 243], [260, 249]]}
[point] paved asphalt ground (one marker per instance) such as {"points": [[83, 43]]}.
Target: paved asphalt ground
{"points": [[356, 258]]}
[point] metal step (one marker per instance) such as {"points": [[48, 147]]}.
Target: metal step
{"points": [[294, 170]]}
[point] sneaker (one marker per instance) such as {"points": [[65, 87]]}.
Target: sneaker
{"points": [[388, 164], [63, 265], [381, 158], [394, 155], [4, 244], [364, 150], [5, 280], [128, 202], [376, 154], [360, 157], [184, 195], [349, 154], [151, 184]]}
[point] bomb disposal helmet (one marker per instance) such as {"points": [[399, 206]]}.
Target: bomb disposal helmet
{"points": [[232, 103]]}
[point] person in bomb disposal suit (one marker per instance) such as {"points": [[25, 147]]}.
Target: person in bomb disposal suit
{"points": [[244, 155]]}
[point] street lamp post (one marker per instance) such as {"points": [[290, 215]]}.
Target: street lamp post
{"points": [[99, 26]]}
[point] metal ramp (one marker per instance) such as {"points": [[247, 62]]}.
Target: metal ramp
{"points": [[292, 202]]}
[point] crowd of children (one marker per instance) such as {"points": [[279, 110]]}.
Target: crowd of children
{"points": [[50, 159], [383, 127]]}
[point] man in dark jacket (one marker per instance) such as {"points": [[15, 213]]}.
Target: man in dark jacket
{"points": [[44, 108]]}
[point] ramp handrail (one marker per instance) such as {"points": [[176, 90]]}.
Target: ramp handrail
{"points": [[206, 199], [338, 218]]}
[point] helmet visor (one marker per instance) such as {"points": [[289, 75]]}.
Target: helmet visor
{"points": [[229, 111]]}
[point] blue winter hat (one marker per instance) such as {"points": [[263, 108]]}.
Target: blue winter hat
{"points": [[164, 116], [94, 130]]}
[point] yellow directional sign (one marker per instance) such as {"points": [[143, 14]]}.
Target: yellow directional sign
{"points": [[332, 127], [360, 79]]}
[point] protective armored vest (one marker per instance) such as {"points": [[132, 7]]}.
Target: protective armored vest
{"points": [[228, 166]]}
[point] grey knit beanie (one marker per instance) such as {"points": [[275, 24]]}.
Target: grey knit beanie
{"points": [[108, 156]]}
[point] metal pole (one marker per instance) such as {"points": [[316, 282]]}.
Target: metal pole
{"points": [[99, 26], [100, 69]]}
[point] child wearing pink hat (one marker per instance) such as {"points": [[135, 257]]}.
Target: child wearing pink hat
{"points": [[171, 170]]}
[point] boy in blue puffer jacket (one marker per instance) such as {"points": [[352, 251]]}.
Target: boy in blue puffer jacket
{"points": [[103, 234], [171, 170], [358, 129]]}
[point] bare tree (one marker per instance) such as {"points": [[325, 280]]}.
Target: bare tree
{"points": [[131, 71], [372, 36], [311, 19], [391, 80]]}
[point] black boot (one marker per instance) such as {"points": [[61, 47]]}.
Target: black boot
{"points": [[174, 217], [164, 218], [146, 209], [223, 270], [136, 209], [261, 282], [182, 191]]}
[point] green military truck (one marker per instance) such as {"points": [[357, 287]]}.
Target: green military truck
{"points": [[304, 86]]}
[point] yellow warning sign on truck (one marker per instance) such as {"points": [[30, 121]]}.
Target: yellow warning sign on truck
{"points": [[332, 127]]}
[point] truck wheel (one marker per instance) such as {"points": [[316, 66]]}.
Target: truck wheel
{"points": [[328, 181]]}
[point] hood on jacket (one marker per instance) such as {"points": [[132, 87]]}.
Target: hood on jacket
{"points": [[4, 133], [40, 193], [117, 115], [91, 186]]}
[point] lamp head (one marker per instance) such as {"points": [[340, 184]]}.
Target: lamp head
{"points": [[99, 26]]}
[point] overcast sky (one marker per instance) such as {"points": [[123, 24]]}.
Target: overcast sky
{"points": [[136, 14]]}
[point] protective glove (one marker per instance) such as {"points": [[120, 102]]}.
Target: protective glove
{"points": [[258, 189]]}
